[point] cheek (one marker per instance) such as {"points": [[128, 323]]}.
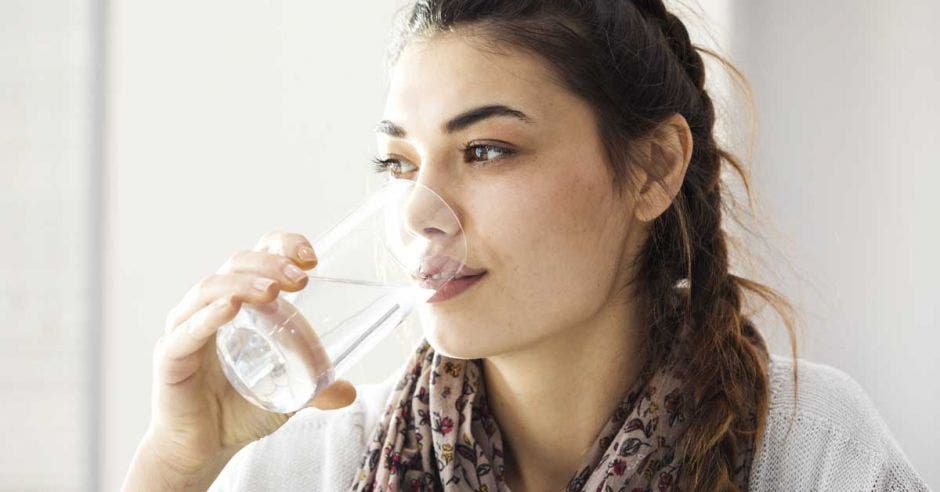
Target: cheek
{"points": [[558, 230], [552, 248]]}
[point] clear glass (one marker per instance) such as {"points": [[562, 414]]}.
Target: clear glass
{"points": [[399, 248]]}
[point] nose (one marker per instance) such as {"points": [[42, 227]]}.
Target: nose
{"points": [[428, 215]]}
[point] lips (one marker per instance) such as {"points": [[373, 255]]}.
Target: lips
{"points": [[437, 270]]}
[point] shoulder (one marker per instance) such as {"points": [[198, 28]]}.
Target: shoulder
{"points": [[823, 431], [823, 393], [314, 450]]}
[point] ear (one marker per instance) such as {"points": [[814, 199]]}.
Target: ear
{"points": [[660, 178]]}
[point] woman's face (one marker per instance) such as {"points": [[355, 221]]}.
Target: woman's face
{"points": [[532, 190]]}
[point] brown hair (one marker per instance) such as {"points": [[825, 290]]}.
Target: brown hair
{"points": [[634, 63]]}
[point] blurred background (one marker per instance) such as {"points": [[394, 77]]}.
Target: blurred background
{"points": [[143, 142]]}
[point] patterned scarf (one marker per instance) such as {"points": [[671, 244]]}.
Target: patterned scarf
{"points": [[437, 432]]}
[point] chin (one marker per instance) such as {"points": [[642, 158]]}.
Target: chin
{"points": [[456, 339], [453, 345]]}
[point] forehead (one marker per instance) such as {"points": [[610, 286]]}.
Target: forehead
{"points": [[436, 78]]}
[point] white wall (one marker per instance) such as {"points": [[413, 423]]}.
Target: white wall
{"points": [[847, 165], [46, 231]]}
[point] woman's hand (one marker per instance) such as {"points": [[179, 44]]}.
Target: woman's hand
{"points": [[198, 419]]}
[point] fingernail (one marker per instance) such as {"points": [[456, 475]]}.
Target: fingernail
{"points": [[262, 284], [306, 253], [294, 273]]}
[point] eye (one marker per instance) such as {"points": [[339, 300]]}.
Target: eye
{"points": [[478, 153], [485, 152], [393, 166]]}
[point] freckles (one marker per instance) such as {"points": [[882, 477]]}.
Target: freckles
{"points": [[578, 203]]}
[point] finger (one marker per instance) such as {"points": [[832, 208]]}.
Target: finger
{"points": [[195, 331], [290, 245], [337, 395], [242, 287], [288, 275]]}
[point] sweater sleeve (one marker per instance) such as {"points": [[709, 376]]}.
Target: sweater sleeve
{"points": [[833, 439], [314, 450], [894, 470]]}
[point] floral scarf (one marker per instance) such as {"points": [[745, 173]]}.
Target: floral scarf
{"points": [[437, 432]]}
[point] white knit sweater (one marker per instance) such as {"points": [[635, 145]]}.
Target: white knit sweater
{"points": [[838, 441]]}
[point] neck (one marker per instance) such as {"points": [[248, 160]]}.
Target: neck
{"points": [[552, 398]]}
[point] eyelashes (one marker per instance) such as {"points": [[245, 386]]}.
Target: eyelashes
{"points": [[470, 150], [386, 165], [472, 154]]}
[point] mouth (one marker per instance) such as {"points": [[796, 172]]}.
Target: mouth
{"points": [[437, 270]]}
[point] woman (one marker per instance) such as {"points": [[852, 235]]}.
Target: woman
{"points": [[603, 346]]}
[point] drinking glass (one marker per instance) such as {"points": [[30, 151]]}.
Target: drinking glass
{"points": [[401, 247]]}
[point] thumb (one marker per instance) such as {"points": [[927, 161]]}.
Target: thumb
{"points": [[340, 394]]}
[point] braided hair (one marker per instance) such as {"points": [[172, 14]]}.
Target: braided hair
{"points": [[634, 63]]}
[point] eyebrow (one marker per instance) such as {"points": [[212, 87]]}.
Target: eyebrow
{"points": [[461, 121]]}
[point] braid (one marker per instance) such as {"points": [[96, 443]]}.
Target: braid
{"points": [[723, 413], [677, 37]]}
